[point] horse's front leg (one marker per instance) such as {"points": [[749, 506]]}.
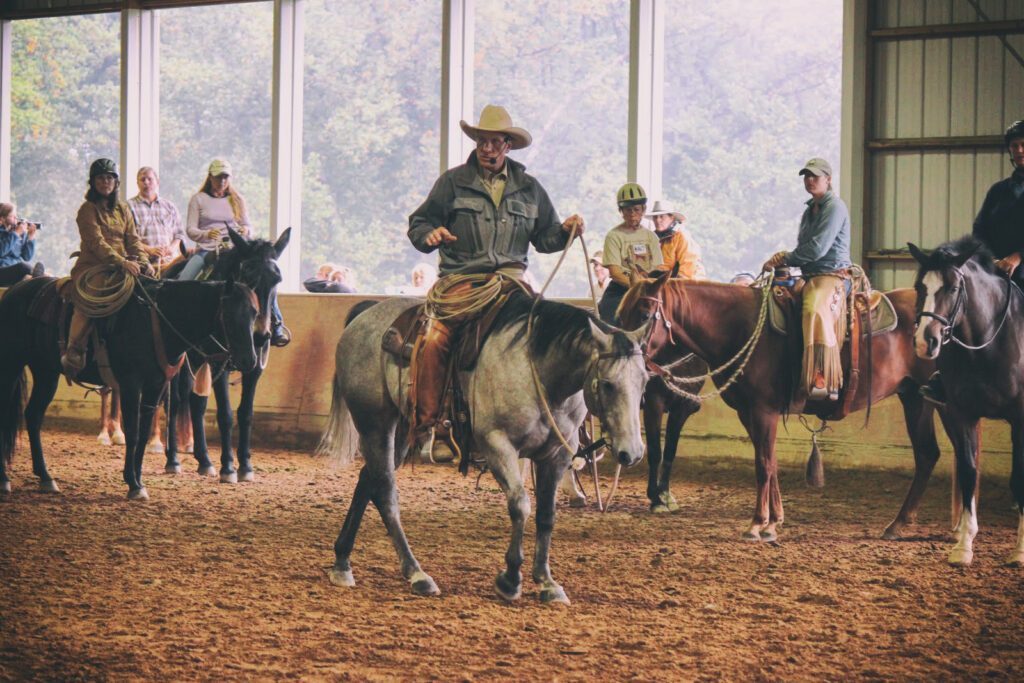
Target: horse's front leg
{"points": [[174, 405], [654, 409], [679, 412], [761, 426], [244, 418], [502, 458], [549, 471], [963, 432], [152, 394], [920, 419], [200, 451], [225, 422], [44, 386], [130, 398]]}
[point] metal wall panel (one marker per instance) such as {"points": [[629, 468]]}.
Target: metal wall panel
{"points": [[934, 88]]}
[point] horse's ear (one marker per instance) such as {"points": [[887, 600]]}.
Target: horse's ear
{"points": [[675, 270], [282, 241], [601, 338], [635, 277], [236, 239], [639, 335], [916, 252], [230, 279]]}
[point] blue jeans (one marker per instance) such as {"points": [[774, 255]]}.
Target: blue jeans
{"points": [[194, 266]]}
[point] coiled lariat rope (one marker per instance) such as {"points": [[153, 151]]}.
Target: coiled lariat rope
{"points": [[742, 356], [103, 290]]}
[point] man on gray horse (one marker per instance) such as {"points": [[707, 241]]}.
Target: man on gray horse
{"points": [[482, 216]]}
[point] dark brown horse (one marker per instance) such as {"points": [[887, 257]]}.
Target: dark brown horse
{"points": [[962, 298], [714, 321]]}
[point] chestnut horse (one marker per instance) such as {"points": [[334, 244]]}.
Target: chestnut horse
{"points": [[714, 321]]}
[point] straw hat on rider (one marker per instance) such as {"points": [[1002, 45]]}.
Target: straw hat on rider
{"points": [[494, 119], [662, 207]]}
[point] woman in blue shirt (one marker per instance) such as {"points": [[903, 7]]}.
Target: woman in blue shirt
{"points": [[823, 255]]}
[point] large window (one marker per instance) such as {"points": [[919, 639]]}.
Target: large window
{"points": [[215, 102], [752, 91], [562, 70], [370, 135], [65, 112]]}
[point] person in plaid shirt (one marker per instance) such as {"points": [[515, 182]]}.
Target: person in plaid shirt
{"points": [[158, 221]]}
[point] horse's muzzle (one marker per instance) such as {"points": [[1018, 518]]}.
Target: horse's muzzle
{"points": [[627, 459]]}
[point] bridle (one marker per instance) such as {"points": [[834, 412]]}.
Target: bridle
{"points": [[223, 352], [946, 334]]}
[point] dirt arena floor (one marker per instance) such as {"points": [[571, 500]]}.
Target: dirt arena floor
{"points": [[210, 581]]}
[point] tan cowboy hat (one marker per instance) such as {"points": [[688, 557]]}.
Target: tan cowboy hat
{"points": [[494, 119], [662, 207]]}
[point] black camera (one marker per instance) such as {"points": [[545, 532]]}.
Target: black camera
{"points": [[26, 223]]}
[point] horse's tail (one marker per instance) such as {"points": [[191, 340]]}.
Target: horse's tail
{"points": [[11, 415], [338, 442]]}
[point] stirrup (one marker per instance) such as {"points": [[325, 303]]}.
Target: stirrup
{"points": [[436, 450]]}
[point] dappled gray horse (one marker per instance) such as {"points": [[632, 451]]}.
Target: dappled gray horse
{"points": [[581, 363]]}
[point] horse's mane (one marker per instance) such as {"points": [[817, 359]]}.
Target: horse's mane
{"points": [[555, 325], [948, 252]]}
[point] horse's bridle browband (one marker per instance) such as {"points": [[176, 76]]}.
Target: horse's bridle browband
{"points": [[948, 323]]}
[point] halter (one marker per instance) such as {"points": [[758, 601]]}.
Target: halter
{"points": [[959, 305]]}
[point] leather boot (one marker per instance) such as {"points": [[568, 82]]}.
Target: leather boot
{"points": [[73, 359], [430, 427]]}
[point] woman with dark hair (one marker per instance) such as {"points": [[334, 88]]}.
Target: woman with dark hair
{"points": [[109, 239]]}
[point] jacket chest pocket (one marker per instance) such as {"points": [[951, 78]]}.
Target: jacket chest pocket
{"points": [[467, 217], [521, 217]]}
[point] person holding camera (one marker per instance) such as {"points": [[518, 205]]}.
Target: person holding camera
{"points": [[17, 247]]}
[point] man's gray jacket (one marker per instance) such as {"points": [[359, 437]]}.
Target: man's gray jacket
{"points": [[489, 236]]}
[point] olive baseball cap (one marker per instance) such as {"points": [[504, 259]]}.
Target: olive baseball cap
{"points": [[816, 167]]}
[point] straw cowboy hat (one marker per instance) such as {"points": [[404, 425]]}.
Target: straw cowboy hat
{"points": [[662, 207], [494, 119]]}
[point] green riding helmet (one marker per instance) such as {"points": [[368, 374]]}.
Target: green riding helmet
{"points": [[102, 166], [630, 194]]}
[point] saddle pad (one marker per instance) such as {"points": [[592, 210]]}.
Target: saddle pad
{"points": [[883, 314]]}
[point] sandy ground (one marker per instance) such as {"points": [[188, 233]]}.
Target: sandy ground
{"points": [[208, 581]]}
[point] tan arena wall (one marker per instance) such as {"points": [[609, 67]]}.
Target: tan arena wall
{"points": [[294, 397]]}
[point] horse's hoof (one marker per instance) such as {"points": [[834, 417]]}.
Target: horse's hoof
{"points": [[155, 447], [580, 502], [423, 585], [753, 534], [117, 438], [341, 577], [669, 501], [207, 471], [554, 595], [48, 486], [660, 508], [246, 475], [1016, 559], [892, 532], [138, 494], [229, 477], [507, 590], [104, 439], [172, 469], [961, 558], [769, 535]]}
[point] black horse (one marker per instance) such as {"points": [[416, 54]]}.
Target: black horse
{"points": [[212, 317], [963, 298], [253, 263]]}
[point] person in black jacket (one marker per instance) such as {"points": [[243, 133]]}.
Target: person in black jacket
{"points": [[1000, 225]]}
